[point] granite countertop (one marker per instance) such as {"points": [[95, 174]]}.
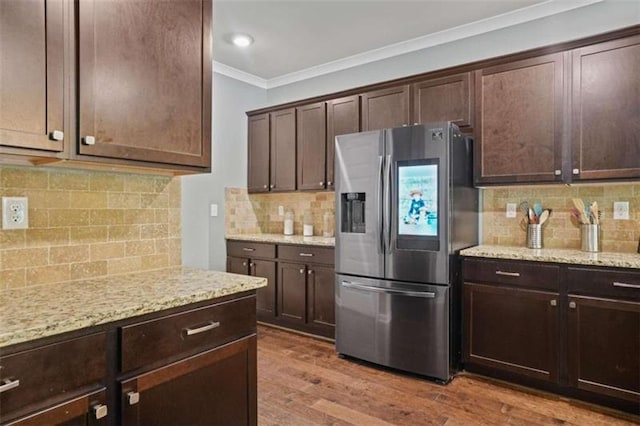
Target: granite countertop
{"points": [[40, 311], [284, 239], [618, 260]]}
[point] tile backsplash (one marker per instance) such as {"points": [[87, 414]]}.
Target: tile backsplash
{"points": [[85, 224], [561, 231], [258, 213]]}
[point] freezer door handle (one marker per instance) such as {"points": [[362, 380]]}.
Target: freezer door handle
{"points": [[381, 203], [387, 200], [364, 287]]}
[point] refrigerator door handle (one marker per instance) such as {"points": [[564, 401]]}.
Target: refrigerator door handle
{"points": [[364, 287], [388, 201], [381, 205]]}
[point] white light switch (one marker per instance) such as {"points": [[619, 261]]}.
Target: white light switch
{"points": [[280, 210], [621, 210], [511, 209], [214, 210]]}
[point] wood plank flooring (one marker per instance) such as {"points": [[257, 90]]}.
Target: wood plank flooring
{"points": [[301, 381]]}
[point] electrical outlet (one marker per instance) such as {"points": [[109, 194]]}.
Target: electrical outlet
{"points": [[15, 213], [621, 210], [280, 210], [511, 209]]}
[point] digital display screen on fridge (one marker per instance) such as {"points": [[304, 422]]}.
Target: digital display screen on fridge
{"points": [[418, 198]]}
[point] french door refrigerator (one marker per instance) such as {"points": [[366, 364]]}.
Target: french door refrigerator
{"points": [[405, 206]]}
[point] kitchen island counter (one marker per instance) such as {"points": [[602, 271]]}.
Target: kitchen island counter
{"points": [[577, 257], [284, 239], [40, 311]]}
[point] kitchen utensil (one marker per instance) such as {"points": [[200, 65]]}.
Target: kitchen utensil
{"points": [[524, 208], [532, 216], [595, 213], [579, 204], [537, 209], [544, 216]]}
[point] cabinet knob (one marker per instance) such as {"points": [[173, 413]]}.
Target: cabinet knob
{"points": [[309, 272], [572, 305], [553, 302], [244, 263], [558, 172], [100, 411], [302, 270], [272, 186], [251, 265], [576, 171], [266, 186], [321, 183], [57, 135], [133, 398], [329, 183], [89, 140]]}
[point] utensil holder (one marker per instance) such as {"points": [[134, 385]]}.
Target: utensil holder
{"points": [[590, 237], [534, 236]]}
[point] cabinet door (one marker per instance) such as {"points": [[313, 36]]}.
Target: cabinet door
{"points": [[86, 410], [238, 265], [605, 117], [604, 346], [145, 80], [213, 387], [343, 117], [283, 150], [512, 330], [292, 292], [31, 74], [385, 108], [520, 119], [265, 296], [311, 145], [444, 99], [258, 166], [321, 299]]}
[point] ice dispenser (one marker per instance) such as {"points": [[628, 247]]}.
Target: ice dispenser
{"points": [[353, 208]]}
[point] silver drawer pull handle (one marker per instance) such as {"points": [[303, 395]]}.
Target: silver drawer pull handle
{"points": [[210, 326], [572, 305], [57, 135], [248, 249], [625, 285], [553, 302], [100, 411], [8, 384], [89, 140], [133, 398], [508, 274], [364, 287], [306, 254]]}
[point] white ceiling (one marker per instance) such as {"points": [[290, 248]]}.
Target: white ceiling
{"points": [[298, 39]]}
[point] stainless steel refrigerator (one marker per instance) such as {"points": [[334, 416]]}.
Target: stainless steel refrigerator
{"points": [[405, 206]]}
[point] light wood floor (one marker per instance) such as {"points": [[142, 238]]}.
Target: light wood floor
{"points": [[301, 381]]}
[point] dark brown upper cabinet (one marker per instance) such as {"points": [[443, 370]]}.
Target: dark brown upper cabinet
{"points": [[258, 162], [145, 81], [343, 117], [444, 99], [31, 76], [283, 150], [385, 108], [520, 118], [606, 110], [311, 144]]}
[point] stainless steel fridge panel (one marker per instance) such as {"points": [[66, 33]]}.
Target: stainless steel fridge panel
{"points": [[358, 170], [400, 325]]}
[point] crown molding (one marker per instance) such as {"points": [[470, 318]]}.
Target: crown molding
{"points": [[519, 16]]}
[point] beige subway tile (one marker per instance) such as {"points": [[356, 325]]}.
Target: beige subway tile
{"points": [[88, 200], [124, 232], [620, 246], [137, 216], [16, 238], [161, 215], [175, 199], [155, 261], [140, 248], [88, 269], [107, 217], [89, 234], [139, 183], [162, 245], [68, 254], [13, 278], [106, 182], [43, 199], [161, 183], [175, 251], [157, 201], [121, 266], [69, 217], [70, 180], [47, 237], [103, 251], [47, 274], [124, 200], [24, 178], [38, 218]]}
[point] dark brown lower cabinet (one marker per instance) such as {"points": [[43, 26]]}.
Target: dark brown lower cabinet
{"points": [[265, 296], [215, 387], [85, 410], [321, 298], [512, 329], [292, 291], [604, 346]]}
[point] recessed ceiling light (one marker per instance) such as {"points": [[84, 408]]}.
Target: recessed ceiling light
{"points": [[241, 40]]}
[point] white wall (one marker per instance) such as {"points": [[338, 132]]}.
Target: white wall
{"points": [[203, 244], [203, 236]]}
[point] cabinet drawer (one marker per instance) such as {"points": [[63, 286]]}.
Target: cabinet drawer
{"points": [[52, 373], [604, 282], [186, 333], [249, 249], [519, 274], [306, 254]]}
